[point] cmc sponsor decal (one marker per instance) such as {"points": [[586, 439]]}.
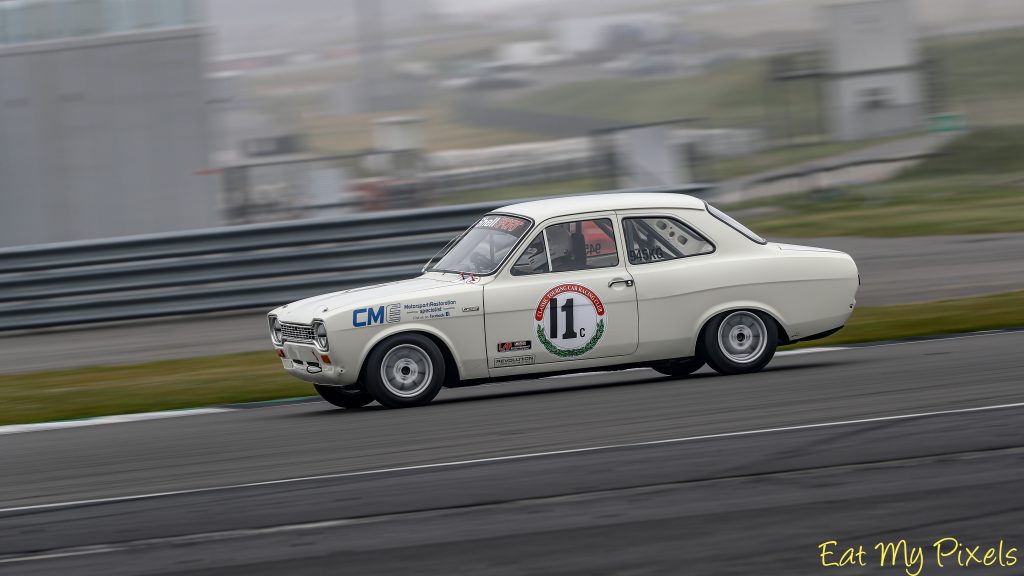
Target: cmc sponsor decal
{"points": [[570, 320], [363, 317]]}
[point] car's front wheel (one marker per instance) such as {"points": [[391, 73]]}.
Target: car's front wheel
{"points": [[343, 397], [739, 342], [405, 370]]}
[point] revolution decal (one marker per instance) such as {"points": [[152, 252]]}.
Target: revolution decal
{"points": [[507, 361], [570, 320]]}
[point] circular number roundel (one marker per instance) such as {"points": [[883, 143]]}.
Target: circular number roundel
{"points": [[570, 320]]}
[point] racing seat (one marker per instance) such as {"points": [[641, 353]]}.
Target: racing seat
{"points": [[579, 250], [560, 248]]}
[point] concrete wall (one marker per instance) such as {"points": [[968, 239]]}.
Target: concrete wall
{"points": [[874, 105], [874, 80], [870, 35], [103, 136]]}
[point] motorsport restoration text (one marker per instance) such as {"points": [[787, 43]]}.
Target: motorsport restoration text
{"points": [[945, 552]]}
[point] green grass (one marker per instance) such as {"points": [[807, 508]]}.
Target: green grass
{"points": [[930, 319], [984, 151], [518, 192], [976, 187], [726, 168], [733, 95], [973, 78], [163, 385], [344, 134], [174, 384], [720, 170]]}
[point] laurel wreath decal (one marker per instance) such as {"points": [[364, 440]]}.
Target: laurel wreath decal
{"points": [[556, 351]]}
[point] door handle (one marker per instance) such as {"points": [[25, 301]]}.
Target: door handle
{"points": [[628, 283]]}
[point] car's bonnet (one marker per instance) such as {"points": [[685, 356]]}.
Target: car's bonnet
{"points": [[304, 311]]}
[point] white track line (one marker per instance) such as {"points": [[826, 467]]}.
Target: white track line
{"points": [[800, 351], [494, 459], [21, 428]]}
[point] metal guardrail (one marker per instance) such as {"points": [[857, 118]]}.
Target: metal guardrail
{"points": [[221, 269]]}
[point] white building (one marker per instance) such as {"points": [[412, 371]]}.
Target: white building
{"points": [[873, 72], [102, 120], [580, 36]]}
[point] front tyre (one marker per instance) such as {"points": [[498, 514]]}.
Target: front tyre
{"points": [[405, 370], [739, 342], [342, 397]]}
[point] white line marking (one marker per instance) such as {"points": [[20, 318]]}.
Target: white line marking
{"points": [[800, 351], [493, 459], [21, 428]]}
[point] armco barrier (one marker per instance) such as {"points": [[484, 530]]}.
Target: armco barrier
{"points": [[222, 269]]}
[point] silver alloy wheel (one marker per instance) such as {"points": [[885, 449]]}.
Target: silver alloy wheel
{"points": [[742, 337], [406, 370]]}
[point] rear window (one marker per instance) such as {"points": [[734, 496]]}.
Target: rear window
{"points": [[734, 224]]}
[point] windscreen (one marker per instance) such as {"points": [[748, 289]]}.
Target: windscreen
{"points": [[483, 248]]}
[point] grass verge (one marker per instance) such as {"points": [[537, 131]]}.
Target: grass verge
{"points": [[972, 78], [521, 191], [929, 319], [250, 377], [977, 186]]}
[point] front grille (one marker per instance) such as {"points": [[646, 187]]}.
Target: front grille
{"points": [[297, 333]]}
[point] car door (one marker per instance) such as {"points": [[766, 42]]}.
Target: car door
{"points": [[565, 297], [672, 262]]}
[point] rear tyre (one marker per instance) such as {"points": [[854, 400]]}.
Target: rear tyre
{"points": [[680, 368], [739, 342], [405, 370], [343, 397]]}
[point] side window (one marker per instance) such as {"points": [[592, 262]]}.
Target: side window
{"points": [[582, 245], [658, 239], [534, 259]]}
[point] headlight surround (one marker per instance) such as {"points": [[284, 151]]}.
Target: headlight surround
{"points": [[320, 336], [275, 330]]}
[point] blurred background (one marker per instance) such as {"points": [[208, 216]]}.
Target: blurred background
{"points": [[170, 170], [140, 116], [202, 161]]}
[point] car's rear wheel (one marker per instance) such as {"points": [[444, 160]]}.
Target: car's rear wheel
{"points": [[405, 370], [739, 342], [344, 397], [680, 368]]}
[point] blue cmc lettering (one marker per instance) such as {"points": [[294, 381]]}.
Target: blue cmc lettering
{"points": [[373, 316]]}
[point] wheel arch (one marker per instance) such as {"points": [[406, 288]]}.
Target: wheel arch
{"points": [[453, 371], [769, 311]]}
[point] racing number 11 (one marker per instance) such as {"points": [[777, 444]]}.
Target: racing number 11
{"points": [[569, 324]]}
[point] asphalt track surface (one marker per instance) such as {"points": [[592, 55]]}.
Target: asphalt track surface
{"points": [[894, 271], [619, 473]]}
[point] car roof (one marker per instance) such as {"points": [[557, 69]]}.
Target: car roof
{"points": [[540, 210]]}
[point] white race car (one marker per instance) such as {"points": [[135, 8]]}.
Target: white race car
{"points": [[573, 284]]}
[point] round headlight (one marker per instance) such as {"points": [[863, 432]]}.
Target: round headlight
{"points": [[320, 336], [275, 331]]}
